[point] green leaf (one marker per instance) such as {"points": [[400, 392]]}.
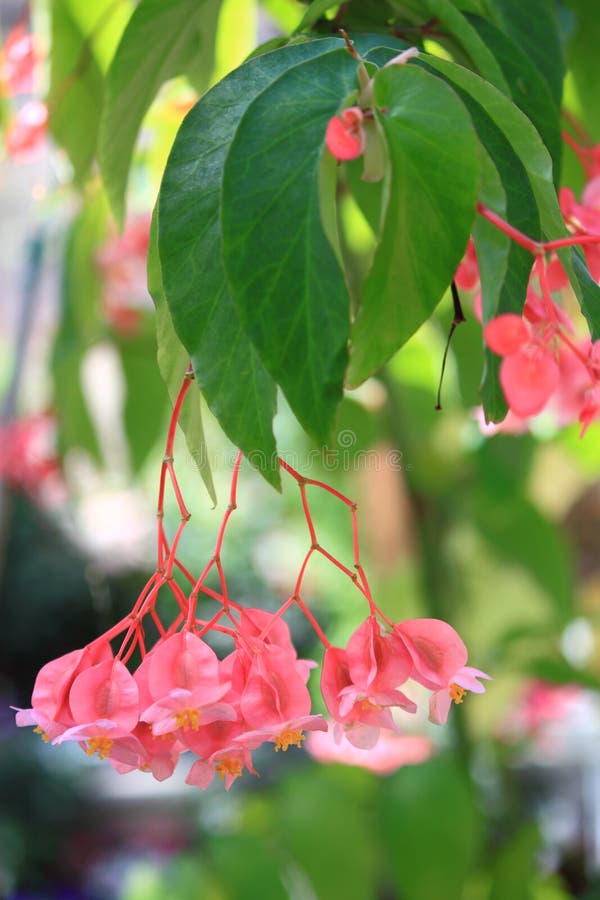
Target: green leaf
{"points": [[434, 159], [584, 64], [432, 830], [162, 40], [256, 867], [284, 277], [237, 388], [76, 86], [453, 22], [516, 866], [173, 361], [529, 91], [325, 814], [314, 12], [534, 27], [520, 535]]}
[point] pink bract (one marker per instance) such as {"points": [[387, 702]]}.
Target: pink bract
{"points": [[344, 137]]}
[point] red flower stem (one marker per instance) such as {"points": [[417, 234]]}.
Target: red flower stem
{"points": [[232, 503], [513, 233], [584, 154], [180, 597], [158, 623], [127, 656], [175, 624], [313, 622], [187, 574], [211, 623], [576, 125], [215, 560], [574, 239], [222, 579], [173, 551], [334, 561], [577, 352], [167, 466], [180, 501], [307, 515], [301, 573]]}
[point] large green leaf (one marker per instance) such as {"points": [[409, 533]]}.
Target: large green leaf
{"points": [[161, 40], [453, 23], [529, 91], [285, 279], [434, 161], [173, 360], [76, 86], [535, 159], [237, 388], [533, 26]]}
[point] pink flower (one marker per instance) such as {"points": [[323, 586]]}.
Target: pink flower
{"points": [[104, 703], [228, 763], [18, 61], [158, 755], [184, 681], [345, 137], [51, 711], [439, 656], [359, 684], [529, 373], [467, 274], [275, 702], [24, 135], [390, 753]]}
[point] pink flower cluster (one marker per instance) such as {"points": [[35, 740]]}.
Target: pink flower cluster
{"points": [[545, 365], [28, 459], [26, 130], [182, 697]]}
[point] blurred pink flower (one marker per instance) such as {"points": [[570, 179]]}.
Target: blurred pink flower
{"points": [[25, 134], [390, 752]]}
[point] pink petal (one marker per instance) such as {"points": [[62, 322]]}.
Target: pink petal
{"points": [[106, 691], [436, 649], [506, 333], [467, 679], [363, 736], [182, 661], [345, 139], [439, 707], [528, 379], [201, 774]]}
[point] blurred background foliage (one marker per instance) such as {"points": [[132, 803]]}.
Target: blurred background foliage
{"points": [[498, 534]]}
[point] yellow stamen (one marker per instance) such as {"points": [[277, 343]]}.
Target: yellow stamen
{"points": [[456, 693], [367, 706], [100, 745], [188, 719], [42, 733], [289, 737], [228, 766]]}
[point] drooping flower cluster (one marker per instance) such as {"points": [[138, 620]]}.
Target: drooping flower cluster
{"points": [[545, 365], [182, 697]]}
